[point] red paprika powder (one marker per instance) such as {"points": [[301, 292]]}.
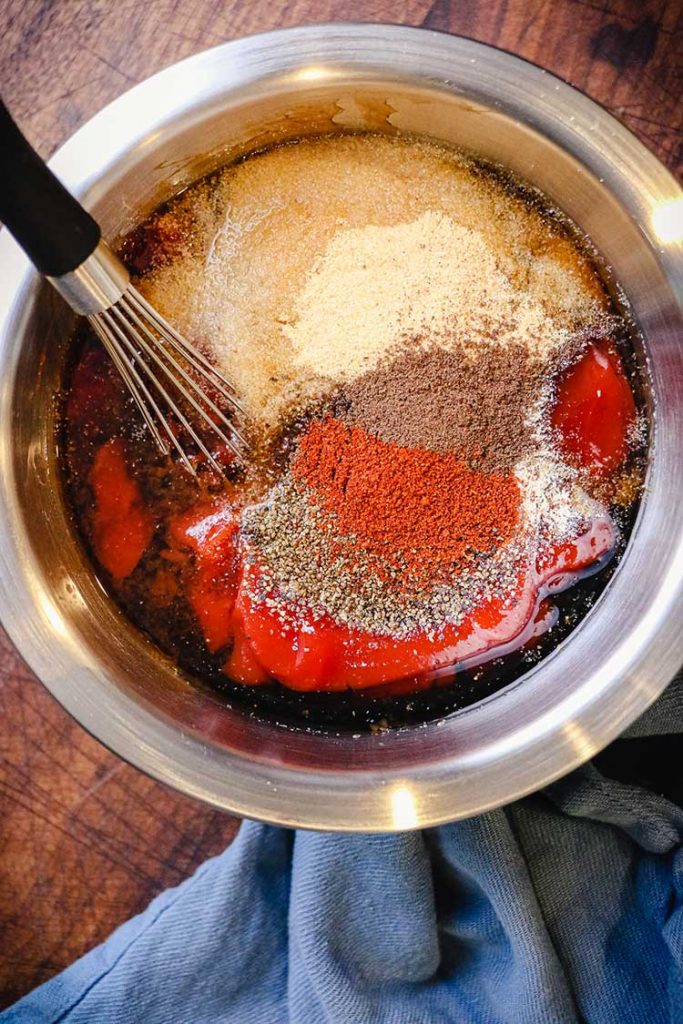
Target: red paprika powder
{"points": [[411, 508]]}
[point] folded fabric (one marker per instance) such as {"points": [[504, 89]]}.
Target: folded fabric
{"points": [[562, 908]]}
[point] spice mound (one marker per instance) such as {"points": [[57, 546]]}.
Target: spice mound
{"points": [[445, 431], [376, 556], [379, 536], [388, 535]]}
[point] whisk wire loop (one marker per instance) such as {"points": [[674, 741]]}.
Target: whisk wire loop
{"points": [[195, 358], [152, 347], [127, 353], [135, 353], [155, 360], [133, 382]]}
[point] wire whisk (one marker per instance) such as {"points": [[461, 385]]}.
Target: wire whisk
{"points": [[176, 388], [152, 356]]}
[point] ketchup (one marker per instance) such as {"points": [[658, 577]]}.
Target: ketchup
{"points": [[122, 526], [594, 411]]}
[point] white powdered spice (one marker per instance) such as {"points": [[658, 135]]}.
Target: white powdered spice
{"points": [[554, 506], [431, 277]]}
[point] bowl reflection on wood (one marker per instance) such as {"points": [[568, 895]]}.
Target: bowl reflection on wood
{"points": [[181, 125]]}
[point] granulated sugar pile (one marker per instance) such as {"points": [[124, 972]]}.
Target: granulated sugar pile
{"points": [[413, 310]]}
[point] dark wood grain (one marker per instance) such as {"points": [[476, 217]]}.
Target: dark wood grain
{"points": [[86, 841]]}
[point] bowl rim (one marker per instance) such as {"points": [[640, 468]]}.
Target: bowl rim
{"points": [[577, 727]]}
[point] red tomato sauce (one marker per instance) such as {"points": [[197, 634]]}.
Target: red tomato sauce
{"points": [[594, 412]]}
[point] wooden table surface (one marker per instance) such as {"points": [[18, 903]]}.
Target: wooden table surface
{"points": [[85, 840]]}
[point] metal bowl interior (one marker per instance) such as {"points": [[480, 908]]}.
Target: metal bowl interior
{"points": [[143, 149]]}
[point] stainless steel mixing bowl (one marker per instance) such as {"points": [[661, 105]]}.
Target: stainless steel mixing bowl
{"points": [[142, 149]]}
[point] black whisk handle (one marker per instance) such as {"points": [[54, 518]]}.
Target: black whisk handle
{"points": [[54, 230]]}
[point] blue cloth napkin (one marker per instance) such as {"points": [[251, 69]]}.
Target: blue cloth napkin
{"points": [[564, 907]]}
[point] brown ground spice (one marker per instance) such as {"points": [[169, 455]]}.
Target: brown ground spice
{"points": [[443, 401]]}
